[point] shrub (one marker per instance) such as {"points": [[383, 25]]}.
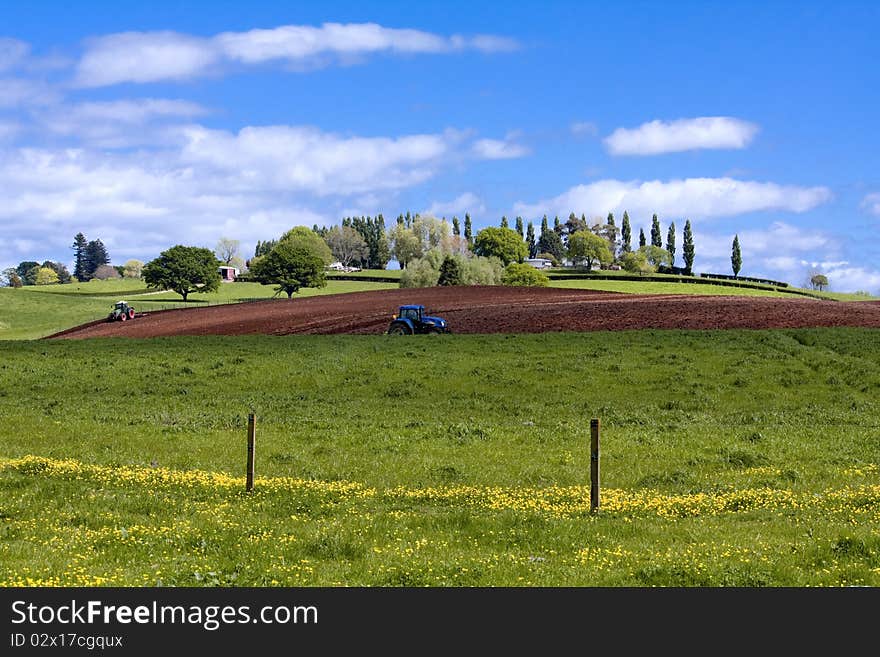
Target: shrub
{"points": [[450, 272], [520, 274]]}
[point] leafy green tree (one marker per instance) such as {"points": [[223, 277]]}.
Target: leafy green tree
{"points": [[450, 272], [27, 271], [670, 243], [656, 255], [11, 278], [60, 269], [642, 241], [456, 227], [184, 269], [586, 247], [503, 243], [687, 248], [523, 275], [504, 222], [79, 256], [297, 261], [656, 236], [405, 245], [736, 260], [544, 225], [373, 232], [626, 234], [530, 240], [636, 262], [468, 234], [573, 224], [550, 242], [557, 227], [263, 248], [818, 281], [45, 276], [520, 228]]}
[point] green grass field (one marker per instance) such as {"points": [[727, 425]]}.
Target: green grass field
{"points": [[737, 458]]}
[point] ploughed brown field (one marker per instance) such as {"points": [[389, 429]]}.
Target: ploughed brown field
{"points": [[489, 309]]}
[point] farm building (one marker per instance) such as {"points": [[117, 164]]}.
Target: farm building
{"points": [[539, 263], [228, 273]]}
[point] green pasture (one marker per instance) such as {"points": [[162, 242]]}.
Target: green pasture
{"points": [[728, 458]]}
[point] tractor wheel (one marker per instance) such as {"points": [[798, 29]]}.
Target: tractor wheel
{"points": [[122, 317], [398, 329], [131, 313]]}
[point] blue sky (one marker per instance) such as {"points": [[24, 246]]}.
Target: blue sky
{"points": [[180, 123]]}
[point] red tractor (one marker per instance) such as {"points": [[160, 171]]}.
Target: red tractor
{"points": [[121, 312]]}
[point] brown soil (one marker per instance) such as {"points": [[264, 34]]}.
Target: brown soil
{"points": [[478, 309]]}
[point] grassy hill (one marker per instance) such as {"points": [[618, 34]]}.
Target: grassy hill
{"points": [[735, 458]]}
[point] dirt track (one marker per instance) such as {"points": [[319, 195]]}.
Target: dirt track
{"points": [[490, 310]]}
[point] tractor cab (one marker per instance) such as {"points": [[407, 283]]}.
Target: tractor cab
{"points": [[412, 319], [121, 312]]}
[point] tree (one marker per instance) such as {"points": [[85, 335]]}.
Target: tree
{"points": [[293, 264], [133, 269], [687, 248], [626, 234], [670, 243], [608, 232], [104, 272], [405, 245], [736, 260], [373, 232], [573, 224], [456, 228], [450, 272], [184, 269], [431, 231], [519, 227], [263, 248], [544, 226], [226, 250], [503, 243], [468, 235], [11, 277], [60, 269], [27, 271], [818, 281], [636, 262], [347, 245], [521, 274], [656, 255], [530, 240], [551, 243], [642, 241], [656, 237], [557, 226], [504, 222], [79, 256], [45, 276], [96, 255], [589, 248]]}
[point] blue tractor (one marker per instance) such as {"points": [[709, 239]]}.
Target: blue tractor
{"points": [[412, 319]]}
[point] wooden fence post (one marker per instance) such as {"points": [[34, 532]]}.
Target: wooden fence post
{"points": [[594, 465], [251, 447]]}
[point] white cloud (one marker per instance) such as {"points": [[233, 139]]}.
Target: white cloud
{"points": [[12, 53], [302, 158], [497, 149], [682, 135], [584, 129], [853, 279], [690, 197], [18, 92], [467, 202], [121, 123], [151, 56], [871, 204]]}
